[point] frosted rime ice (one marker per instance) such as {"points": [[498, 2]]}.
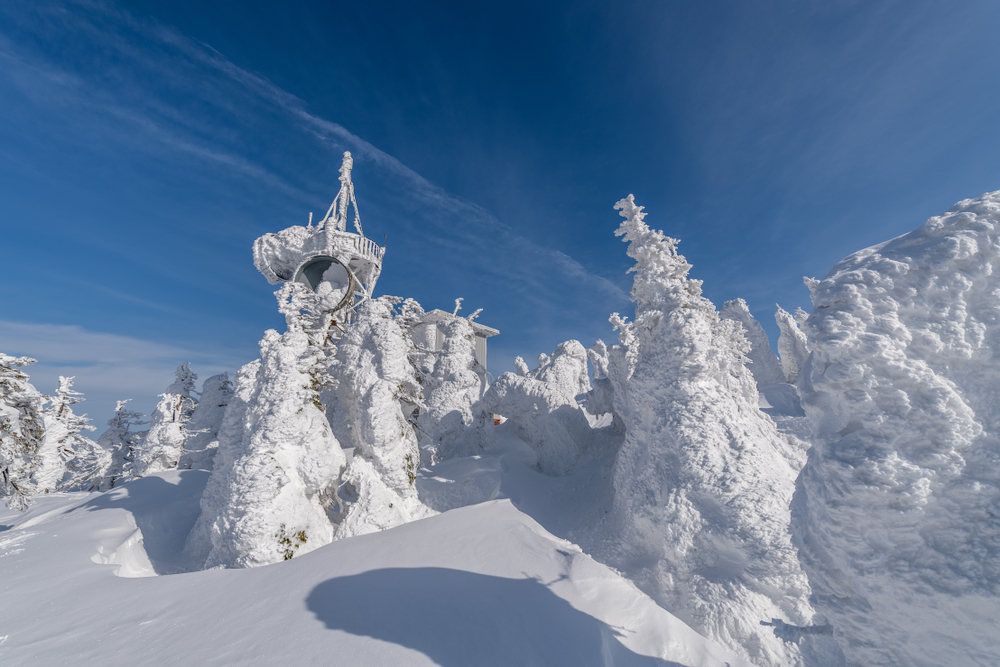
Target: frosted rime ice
{"points": [[792, 345], [121, 441], [206, 420], [542, 410], [21, 431], [451, 386], [701, 492], [162, 447], [898, 508], [764, 363], [67, 459], [378, 391]]}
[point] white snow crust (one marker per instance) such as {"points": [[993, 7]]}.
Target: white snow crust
{"points": [[897, 514]]}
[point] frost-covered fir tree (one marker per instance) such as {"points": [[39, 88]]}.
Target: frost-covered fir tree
{"points": [[67, 459], [21, 431], [451, 387], [701, 492], [764, 363], [278, 464], [206, 420], [792, 345], [163, 445], [120, 440], [378, 391]]}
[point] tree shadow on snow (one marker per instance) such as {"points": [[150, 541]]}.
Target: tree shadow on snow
{"points": [[164, 512], [459, 618]]}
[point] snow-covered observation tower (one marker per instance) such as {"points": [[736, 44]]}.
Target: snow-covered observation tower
{"points": [[341, 267]]}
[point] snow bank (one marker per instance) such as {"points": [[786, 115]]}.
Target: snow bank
{"points": [[898, 508], [483, 585], [701, 490], [764, 363]]}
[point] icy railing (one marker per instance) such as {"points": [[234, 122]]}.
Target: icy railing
{"points": [[361, 245]]}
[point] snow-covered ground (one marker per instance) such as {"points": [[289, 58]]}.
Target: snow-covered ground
{"points": [[87, 582]]}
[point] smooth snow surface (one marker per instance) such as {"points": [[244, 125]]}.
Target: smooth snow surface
{"points": [[483, 585], [898, 508]]}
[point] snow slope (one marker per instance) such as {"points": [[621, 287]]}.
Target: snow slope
{"points": [[897, 512], [482, 585]]}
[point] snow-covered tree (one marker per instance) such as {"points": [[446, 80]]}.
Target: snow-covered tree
{"points": [[542, 408], [701, 492], [120, 440], [163, 445], [278, 464], [792, 345], [206, 420], [21, 431], [897, 514], [450, 387], [378, 391], [764, 363], [67, 459]]}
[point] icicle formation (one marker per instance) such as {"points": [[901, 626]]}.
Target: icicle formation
{"points": [[67, 459], [764, 363], [898, 514], [278, 463], [377, 390], [542, 409], [701, 492], [21, 431], [163, 445]]}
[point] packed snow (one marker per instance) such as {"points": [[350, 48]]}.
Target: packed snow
{"points": [[360, 493]]}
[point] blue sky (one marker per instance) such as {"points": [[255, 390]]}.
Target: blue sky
{"points": [[145, 145]]}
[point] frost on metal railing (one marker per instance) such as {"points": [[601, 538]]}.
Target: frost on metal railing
{"points": [[339, 265]]}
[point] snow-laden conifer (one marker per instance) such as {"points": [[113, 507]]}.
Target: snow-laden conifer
{"points": [[163, 445], [898, 508], [21, 431], [121, 440], [792, 345], [764, 363], [206, 420], [278, 463], [701, 492], [378, 391], [67, 459]]}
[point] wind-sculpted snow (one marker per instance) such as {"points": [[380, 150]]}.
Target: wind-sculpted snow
{"points": [[898, 508], [701, 490], [277, 466], [764, 363]]}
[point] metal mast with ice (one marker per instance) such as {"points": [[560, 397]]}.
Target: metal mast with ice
{"points": [[340, 266]]}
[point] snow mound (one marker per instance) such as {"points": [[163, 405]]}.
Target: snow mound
{"points": [[483, 585], [898, 508]]}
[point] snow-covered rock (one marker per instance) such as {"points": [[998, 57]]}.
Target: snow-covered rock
{"points": [[764, 363], [897, 514], [701, 490]]}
